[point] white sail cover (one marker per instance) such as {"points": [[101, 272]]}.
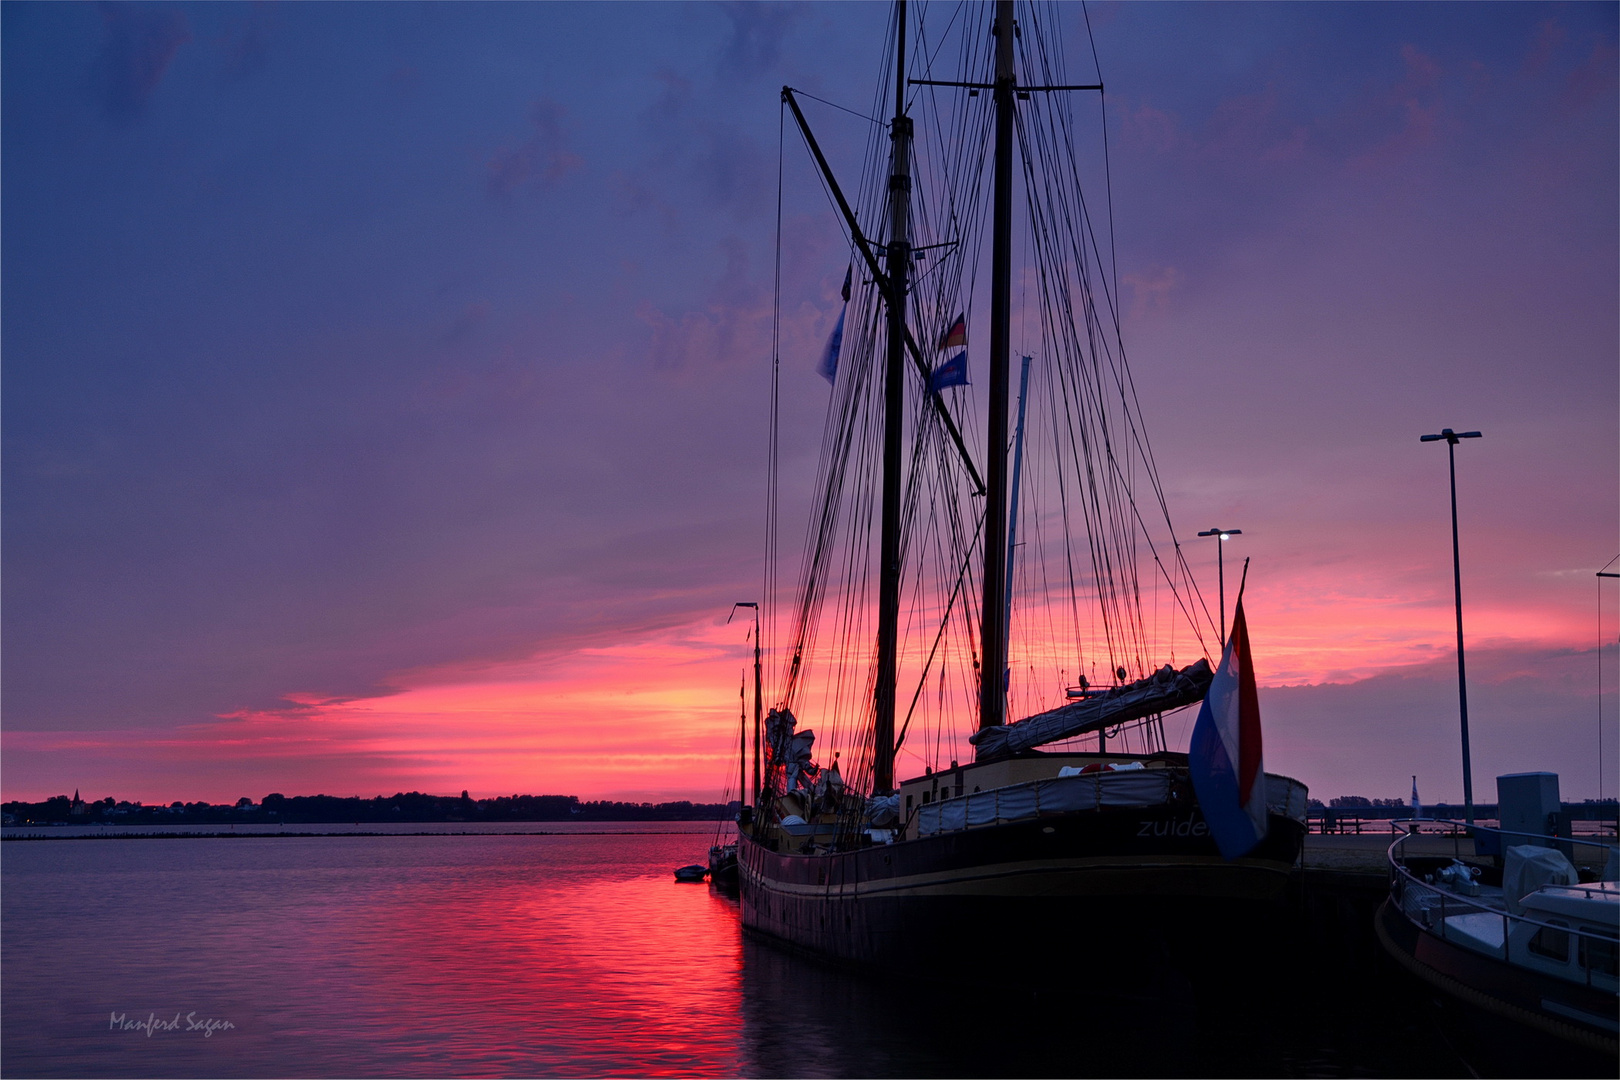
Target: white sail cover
{"points": [[1122, 789], [1165, 689]]}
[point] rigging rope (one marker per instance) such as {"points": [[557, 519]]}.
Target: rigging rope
{"points": [[1079, 592]]}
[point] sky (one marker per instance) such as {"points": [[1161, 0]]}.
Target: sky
{"points": [[385, 386]]}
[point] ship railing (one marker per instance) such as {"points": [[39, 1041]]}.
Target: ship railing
{"points": [[1330, 821], [1093, 791], [1428, 905]]}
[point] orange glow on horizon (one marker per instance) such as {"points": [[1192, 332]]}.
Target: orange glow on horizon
{"points": [[655, 718]]}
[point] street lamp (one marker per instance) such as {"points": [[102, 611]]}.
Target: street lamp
{"points": [[1220, 561], [1452, 438]]}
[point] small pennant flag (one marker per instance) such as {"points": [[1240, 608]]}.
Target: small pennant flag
{"points": [[828, 367], [848, 272], [955, 337], [952, 372]]}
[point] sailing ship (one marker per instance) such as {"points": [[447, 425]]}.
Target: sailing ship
{"points": [[1079, 810]]}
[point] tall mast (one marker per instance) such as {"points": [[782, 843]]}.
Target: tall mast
{"points": [[899, 267], [759, 682], [993, 633]]}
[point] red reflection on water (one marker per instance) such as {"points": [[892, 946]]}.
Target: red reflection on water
{"points": [[558, 956]]}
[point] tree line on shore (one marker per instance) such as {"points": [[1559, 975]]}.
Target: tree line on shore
{"points": [[414, 806], [1347, 806], [403, 806]]}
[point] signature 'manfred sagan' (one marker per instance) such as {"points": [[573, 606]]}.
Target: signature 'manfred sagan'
{"points": [[122, 1022]]}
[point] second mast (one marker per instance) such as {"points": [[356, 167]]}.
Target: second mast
{"points": [[899, 267]]}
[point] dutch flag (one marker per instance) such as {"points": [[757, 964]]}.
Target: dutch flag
{"points": [[952, 372], [1224, 756]]}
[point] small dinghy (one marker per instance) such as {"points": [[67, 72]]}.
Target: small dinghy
{"points": [[695, 872]]}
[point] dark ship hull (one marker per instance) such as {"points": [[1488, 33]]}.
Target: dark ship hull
{"points": [[1151, 873]]}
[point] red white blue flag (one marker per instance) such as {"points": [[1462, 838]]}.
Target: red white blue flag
{"points": [[956, 336], [952, 372], [1224, 757]]}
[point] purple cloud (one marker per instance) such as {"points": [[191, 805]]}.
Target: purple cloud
{"points": [[757, 30], [141, 43], [1594, 79], [540, 160]]}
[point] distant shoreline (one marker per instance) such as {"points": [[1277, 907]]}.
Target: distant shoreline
{"points": [[403, 808], [113, 832]]}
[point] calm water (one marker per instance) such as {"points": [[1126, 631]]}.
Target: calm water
{"points": [[568, 955]]}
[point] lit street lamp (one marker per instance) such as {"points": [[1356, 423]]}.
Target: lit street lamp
{"points": [[1452, 438], [1220, 561]]}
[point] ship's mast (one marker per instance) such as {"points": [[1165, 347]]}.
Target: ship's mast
{"points": [[993, 631], [899, 266]]}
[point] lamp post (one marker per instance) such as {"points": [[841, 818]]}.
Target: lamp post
{"points": [[1222, 535], [1452, 438]]}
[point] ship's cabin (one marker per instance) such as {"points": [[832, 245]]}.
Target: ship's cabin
{"points": [[1591, 954], [1027, 767]]}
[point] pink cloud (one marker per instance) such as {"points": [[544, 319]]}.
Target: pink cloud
{"points": [[1151, 128], [653, 717], [1151, 289], [1416, 101]]}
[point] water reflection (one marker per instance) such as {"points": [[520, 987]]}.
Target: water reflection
{"points": [[1290, 1014], [576, 956], [417, 956]]}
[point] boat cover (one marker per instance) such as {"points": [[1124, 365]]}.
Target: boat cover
{"points": [[883, 810], [791, 750], [1527, 867], [1162, 691]]}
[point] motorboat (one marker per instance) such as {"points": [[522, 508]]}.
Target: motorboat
{"points": [[1518, 945]]}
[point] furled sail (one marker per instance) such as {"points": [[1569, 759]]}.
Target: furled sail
{"points": [[1165, 689]]}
